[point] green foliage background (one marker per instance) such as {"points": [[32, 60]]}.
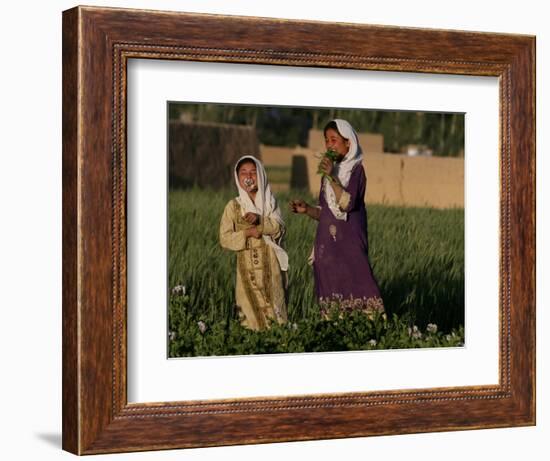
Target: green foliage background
{"points": [[289, 126]]}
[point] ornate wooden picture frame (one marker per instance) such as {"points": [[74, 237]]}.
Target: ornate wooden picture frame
{"points": [[97, 44]]}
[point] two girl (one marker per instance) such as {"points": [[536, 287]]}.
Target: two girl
{"points": [[253, 227]]}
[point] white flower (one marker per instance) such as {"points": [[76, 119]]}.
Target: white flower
{"points": [[431, 328], [372, 342], [179, 290], [448, 337], [294, 326], [202, 326], [414, 332], [171, 335]]}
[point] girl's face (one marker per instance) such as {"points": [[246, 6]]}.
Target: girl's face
{"points": [[336, 143], [248, 178]]}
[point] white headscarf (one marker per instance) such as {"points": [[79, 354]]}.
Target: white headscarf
{"points": [[264, 205], [343, 169]]}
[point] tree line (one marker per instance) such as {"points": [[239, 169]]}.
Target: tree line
{"points": [[442, 133]]}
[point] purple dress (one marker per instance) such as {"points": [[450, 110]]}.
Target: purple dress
{"points": [[342, 271]]}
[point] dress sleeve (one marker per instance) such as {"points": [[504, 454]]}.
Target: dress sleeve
{"points": [[231, 239], [354, 194], [272, 227]]}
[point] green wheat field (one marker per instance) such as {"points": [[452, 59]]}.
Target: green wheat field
{"points": [[417, 255]]}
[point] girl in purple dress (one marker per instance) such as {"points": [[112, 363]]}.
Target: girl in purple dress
{"points": [[342, 271]]}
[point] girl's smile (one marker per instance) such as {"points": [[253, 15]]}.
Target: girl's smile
{"points": [[248, 178], [336, 143]]}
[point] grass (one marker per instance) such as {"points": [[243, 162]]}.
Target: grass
{"points": [[417, 256]]}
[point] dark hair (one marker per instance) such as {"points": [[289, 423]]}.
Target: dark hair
{"points": [[332, 126], [242, 162]]}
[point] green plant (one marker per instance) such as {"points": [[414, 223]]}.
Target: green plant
{"points": [[417, 256], [190, 337], [333, 156]]}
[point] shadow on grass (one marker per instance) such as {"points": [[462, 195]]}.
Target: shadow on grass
{"points": [[436, 297]]}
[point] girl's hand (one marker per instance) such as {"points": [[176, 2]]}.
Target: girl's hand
{"points": [[326, 166], [298, 206], [253, 232], [252, 218]]}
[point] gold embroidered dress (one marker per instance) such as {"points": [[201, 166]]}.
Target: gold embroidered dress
{"points": [[260, 281]]}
